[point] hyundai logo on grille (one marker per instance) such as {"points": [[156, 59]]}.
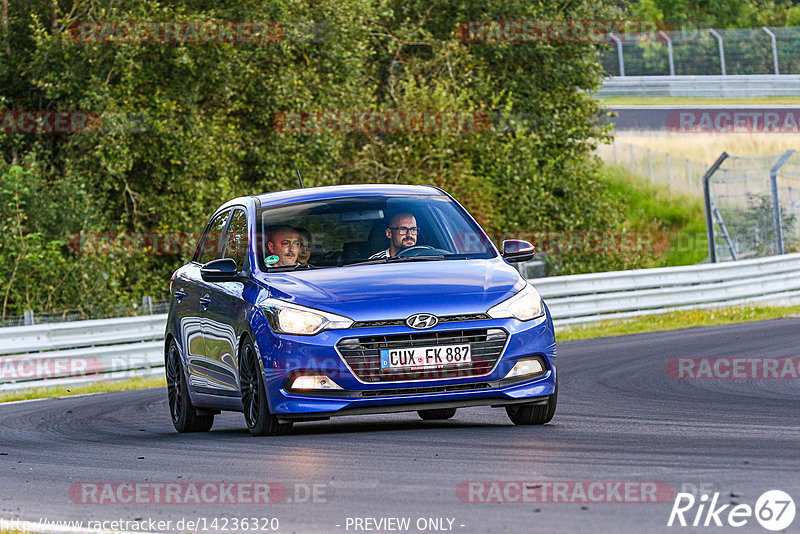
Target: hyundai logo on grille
{"points": [[422, 321]]}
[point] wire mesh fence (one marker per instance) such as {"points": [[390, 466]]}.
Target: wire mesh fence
{"points": [[146, 307], [754, 203], [679, 175], [766, 50]]}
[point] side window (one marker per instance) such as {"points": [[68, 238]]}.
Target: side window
{"points": [[212, 245], [236, 239]]}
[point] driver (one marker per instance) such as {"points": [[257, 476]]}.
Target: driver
{"points": [[402, 234], [284, 242]]}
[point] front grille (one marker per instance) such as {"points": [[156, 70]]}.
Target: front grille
{"points": [[362, 354], [402, 322]]}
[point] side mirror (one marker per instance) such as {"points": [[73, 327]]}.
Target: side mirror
{"points": [[221, 270], [516, 250]]}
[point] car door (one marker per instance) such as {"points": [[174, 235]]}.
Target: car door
{"points": [[223, 308], [204, 373]]}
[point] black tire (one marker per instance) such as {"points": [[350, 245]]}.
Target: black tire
{"points": [[531, 414], [440, 413], [184, 415], [259, 420]]}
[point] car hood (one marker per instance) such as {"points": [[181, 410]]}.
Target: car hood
{"points": [[397, 290]]}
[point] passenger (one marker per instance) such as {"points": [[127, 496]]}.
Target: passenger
{"points": [[402, 234], [305, 245], [284, 242]]}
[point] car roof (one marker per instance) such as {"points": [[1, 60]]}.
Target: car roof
{"points": [[340, 191]]}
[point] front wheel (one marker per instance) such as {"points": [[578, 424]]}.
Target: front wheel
{"points": [[184, 415], [432, 415], [530, 414], [259, 420]]}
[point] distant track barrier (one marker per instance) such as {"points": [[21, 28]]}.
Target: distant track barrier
{"points": [[84, 351]]}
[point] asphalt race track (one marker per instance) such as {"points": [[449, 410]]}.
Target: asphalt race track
{"points": [[620, 417]]}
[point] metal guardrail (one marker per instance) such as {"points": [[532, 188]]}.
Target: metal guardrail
{"points": [[65, 353], [733, 86], [81, 351], [585, 298]]}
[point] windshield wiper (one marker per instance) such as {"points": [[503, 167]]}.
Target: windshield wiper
{"points": [[399, 259]]}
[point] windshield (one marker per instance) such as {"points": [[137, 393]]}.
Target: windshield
{"points": [[376, 229]]}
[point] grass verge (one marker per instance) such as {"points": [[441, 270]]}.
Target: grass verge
{"points": [[83, 389], [674, 321], [652, 208]]}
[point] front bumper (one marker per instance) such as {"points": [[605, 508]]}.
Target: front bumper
{"points": [[286, 356]]}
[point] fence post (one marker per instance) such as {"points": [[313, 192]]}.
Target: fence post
{"points": [[712, 249], [669, 170], [630, 152], [688, 174], [721, 50], [619, 53], [669, 52], [773, 178], [614, 146], [650, 164], [774, 48], [28, 319]]}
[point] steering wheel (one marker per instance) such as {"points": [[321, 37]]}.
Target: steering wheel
{"points": [[421, 250]]}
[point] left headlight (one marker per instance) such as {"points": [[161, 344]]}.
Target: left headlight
{"points": [[288, 318], [525, 305]]}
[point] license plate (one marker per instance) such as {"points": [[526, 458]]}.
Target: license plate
{"points": [[425, 357]]}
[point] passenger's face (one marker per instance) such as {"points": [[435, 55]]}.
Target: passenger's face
{"points": [[400, 239], [286, 245], [305, 250]]}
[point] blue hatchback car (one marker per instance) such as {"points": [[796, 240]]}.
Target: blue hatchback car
{"points": [[311, 303]]}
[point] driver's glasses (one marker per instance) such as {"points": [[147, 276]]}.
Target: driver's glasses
{"points": [[414, 230]]}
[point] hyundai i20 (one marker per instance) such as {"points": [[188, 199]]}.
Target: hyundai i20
{"points": [[346, 300]]}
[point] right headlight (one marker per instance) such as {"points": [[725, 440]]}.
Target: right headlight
{"points": [[287, 318], [525, 305]]}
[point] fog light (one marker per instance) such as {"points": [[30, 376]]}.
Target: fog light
{"points": [[525, 367], [314, 382]]}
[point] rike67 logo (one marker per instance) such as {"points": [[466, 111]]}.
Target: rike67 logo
{"points": [[774, 510]]}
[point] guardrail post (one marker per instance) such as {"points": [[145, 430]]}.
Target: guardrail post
{"points": [[619, 53], [712, 249], [669, 52], [147, 305], [774, 47], [721, 50], [773, 179], [28, 317], [650, 164]]}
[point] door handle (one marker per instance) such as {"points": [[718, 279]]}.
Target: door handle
{"points": [[179, 294], [205, 300]]}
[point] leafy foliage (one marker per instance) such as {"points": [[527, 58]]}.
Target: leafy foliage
{"points": [[188, 126]]}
